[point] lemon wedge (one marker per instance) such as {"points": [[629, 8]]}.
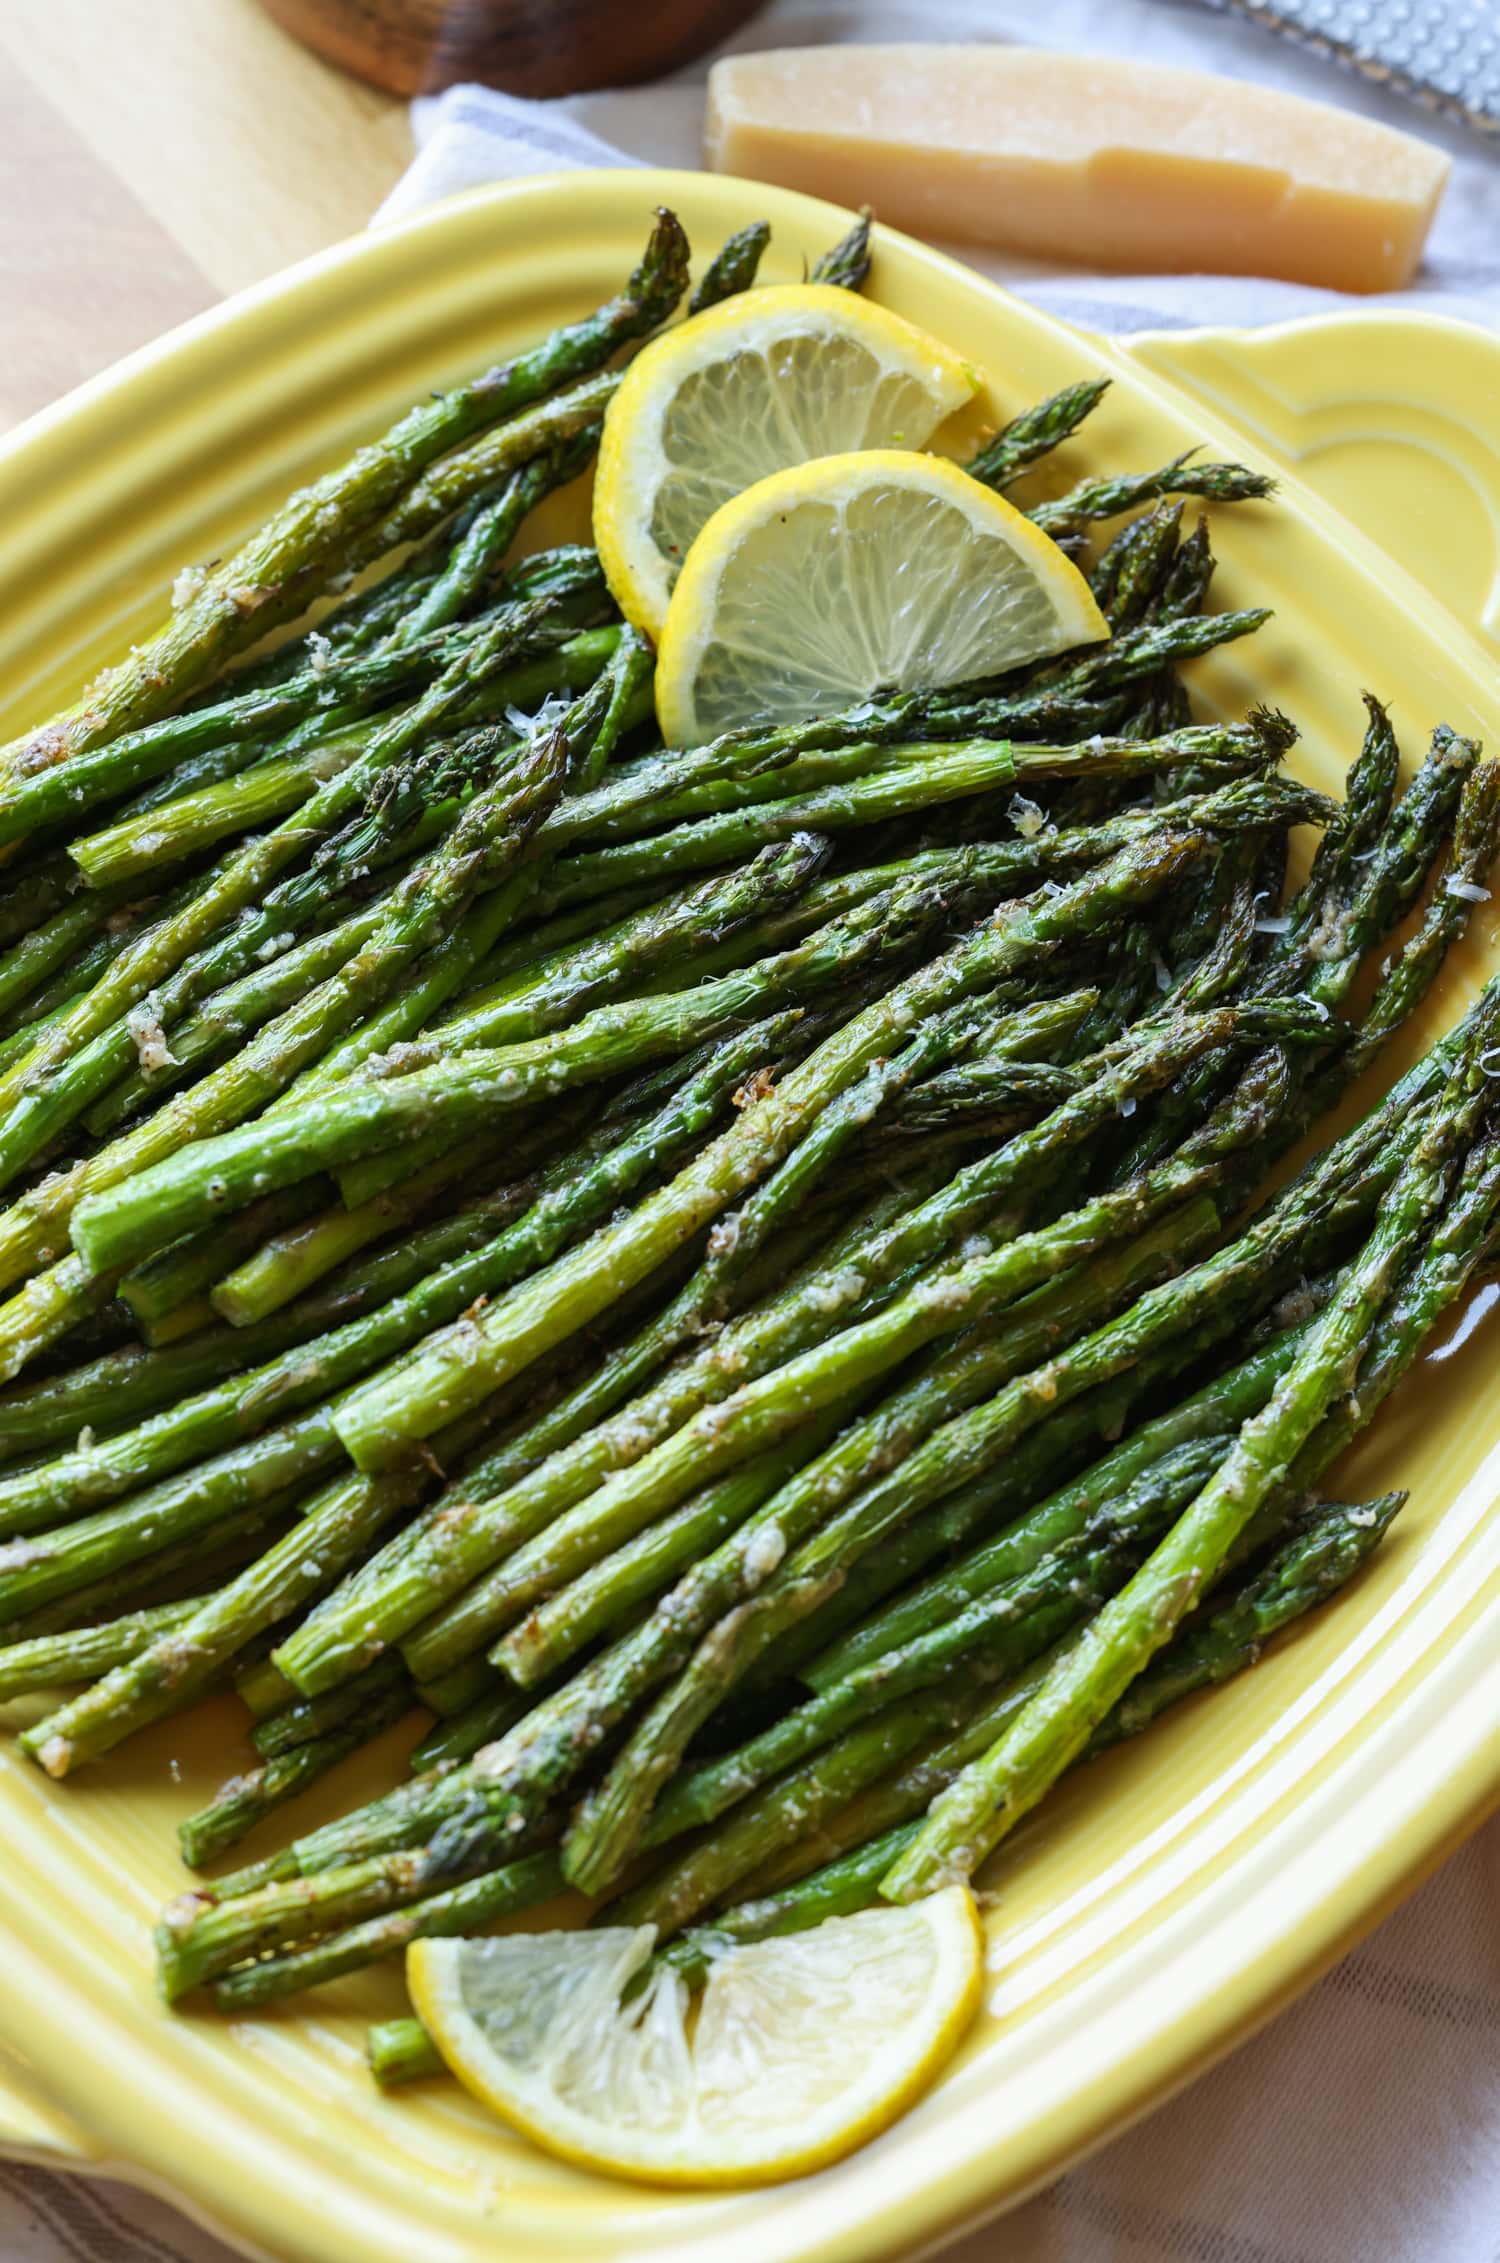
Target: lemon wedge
{"points": [[802, 2047], [770, 378], [836, 579]]}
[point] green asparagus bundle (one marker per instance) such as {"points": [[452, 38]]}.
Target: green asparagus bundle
{"points": [[738, 1278]]}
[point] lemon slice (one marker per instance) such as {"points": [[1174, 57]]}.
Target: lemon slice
{"points": [[770, 378], [836, 579], [802, 2047]]}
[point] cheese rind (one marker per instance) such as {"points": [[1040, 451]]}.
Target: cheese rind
{"points": [[1084, 158]]}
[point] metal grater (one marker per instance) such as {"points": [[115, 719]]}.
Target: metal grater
{"points": [[1445, 54]]}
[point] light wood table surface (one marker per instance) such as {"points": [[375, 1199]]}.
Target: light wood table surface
{"points": [[155, 155]]}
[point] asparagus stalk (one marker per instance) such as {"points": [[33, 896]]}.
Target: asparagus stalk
{"points": [[339, 884], [521, 1885], [112, 1392], [401, 1821], [56, 942], [1106, 498], [249, 1799], [487, 532], [382, 1415], [552, 1463], [187, 1568], [485, 1530], [1035, 432], [173, 1668], [986, 874], [213, 1176], [758, 1414], [290, 1264], [294, 1721], [408, 1817], [623, 685], [980, 709], [1133, 571], [234, 1014], [458, 477], [33, 893], [1211, 1413], [137, 848], [401, 2050], [1045, 1459], [521, 1773], [1346, 844], [744, 768], [895, 784], [576, 1191], [847, 263], [276, 572], [191, 1268], [637, 1569], [77, 1654], [1409, 973], [40, 1093], [1338, 924], [1195, 1307], [1440, 1278], [62, 794], [458, 1737], [886, 1254], [706, 914], [485, 842], [849, 1734], [26, 1035], [464, 475], [1320, 1555], [798, 1806], [1094, 1674], [199, 1938], [1119, 1492], [733, 266]]}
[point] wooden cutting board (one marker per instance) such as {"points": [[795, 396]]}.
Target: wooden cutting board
{"points": [[154, 155]]}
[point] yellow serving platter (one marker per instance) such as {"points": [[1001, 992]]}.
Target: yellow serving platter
{"points": [[1167, 1899]]}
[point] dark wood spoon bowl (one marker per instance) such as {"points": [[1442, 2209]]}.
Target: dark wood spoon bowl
{"points": [[533, 47]]}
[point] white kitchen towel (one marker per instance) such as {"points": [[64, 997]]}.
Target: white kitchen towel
{"points": [[471, 135]]}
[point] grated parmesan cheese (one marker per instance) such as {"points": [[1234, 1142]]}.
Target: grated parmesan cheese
{"points": [[187, 585], [764, 1552], [147, 1035], [1026, 816], [1297, 1306], [724, 1237]]}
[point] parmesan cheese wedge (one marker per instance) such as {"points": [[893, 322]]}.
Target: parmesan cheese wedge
{"points": [[1084, 158]]}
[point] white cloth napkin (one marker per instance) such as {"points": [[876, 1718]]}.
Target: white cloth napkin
{"points": [[1363, 2126], [471, 135]]}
